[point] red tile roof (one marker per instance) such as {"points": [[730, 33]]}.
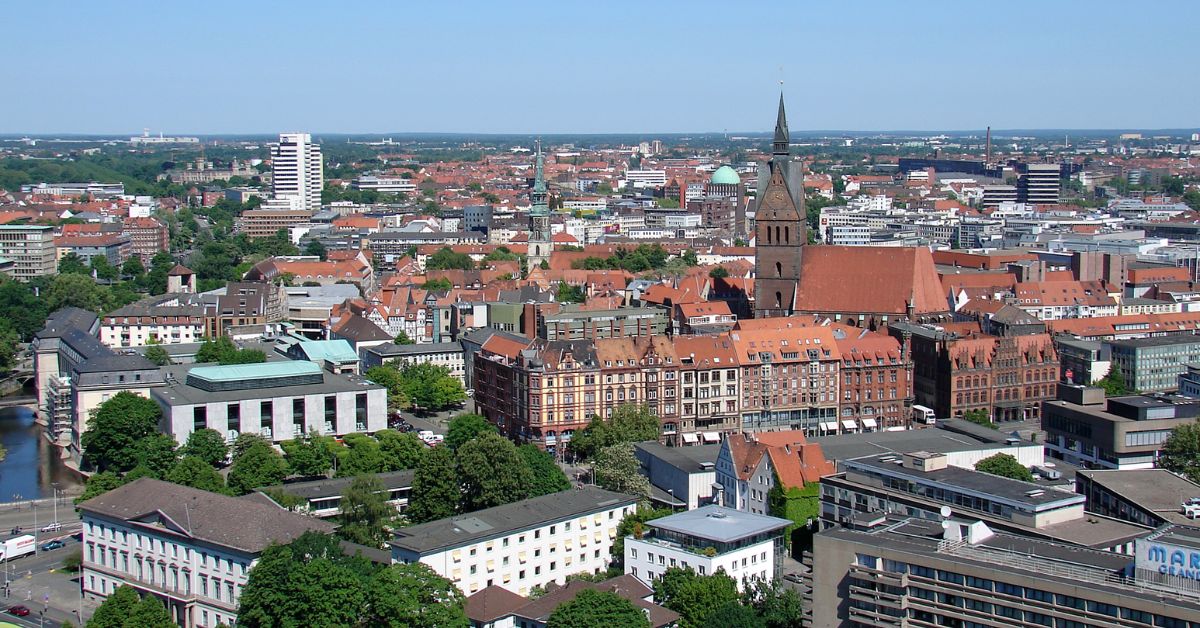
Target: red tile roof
{"points": [[849, 279]]}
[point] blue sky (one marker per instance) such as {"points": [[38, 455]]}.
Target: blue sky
{"points": [[594, 67]]}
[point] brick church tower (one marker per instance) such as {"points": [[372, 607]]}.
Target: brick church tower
{"points": [[779, 230]]}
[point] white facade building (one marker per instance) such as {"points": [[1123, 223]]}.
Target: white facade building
{"points": [[192, 549], [278, 400], [520, 545], [297, 170], [448, 355], [646, 178], [744, 545], [135, 325], [385, 185]]}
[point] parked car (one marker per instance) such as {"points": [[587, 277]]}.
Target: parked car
{"points": [[18, 610], [52, 545], [52, 527]]}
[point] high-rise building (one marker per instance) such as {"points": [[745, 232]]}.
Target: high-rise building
{"points": [[1040, 183], [779, 227], [297, 169], [540, 245], [30, 248]]}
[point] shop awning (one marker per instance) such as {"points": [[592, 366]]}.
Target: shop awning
{"points": [[691, 438], [849, 425], [829, 426], [870, 423], [712, 437]]}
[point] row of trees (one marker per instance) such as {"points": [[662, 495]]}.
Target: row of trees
{"points": [[645, 257], [714, 601]]}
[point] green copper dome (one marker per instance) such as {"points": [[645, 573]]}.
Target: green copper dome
{"points": [[725, 176]]}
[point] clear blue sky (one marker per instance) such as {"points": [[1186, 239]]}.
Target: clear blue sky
{"points": [[613, 66]]}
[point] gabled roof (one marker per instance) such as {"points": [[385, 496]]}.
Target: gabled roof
{"points": [[861, 279]]}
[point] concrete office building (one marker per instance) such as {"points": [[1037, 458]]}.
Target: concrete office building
{"points": [[31, 250], [1154, 364], [1039, 184], [279, 400], [679, 476], [518, 546], [744, 545], [191, 549], [915, 573], [1149, 497], [1085, 429], [297, 169]]}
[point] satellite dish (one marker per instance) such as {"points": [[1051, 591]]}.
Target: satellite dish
{"points": [[945, 525], [945, 511]]}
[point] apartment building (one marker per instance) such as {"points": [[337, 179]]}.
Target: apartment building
{"points": [[709, 389], [265, 222], [789, 377], [576, 323], [137, 324], [905, 572], [518, 546], [876, 382], [750, 465], [278, 400], [31, 250], [642, 371], [147, 236], [711, 538], [297, 170], [191, 549], [114, 248]]}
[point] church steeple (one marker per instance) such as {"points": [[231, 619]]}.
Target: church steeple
{"points": [[537, 196], [540, 245], [782, 143]]}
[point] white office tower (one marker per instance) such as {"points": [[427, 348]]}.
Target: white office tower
{"points": [[298, 171]]}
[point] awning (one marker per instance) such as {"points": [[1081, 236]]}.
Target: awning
{"points": [[830, 426], [849, 425], [691, 438], [712, 437], [870, 423]]}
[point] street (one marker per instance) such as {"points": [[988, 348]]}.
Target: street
{"points": [[37, 581]]}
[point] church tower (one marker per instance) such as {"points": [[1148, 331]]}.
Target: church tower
{"points": [[779, 232], [540, 245]]}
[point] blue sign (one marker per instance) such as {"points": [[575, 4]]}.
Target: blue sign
{"points": [[1173, 561]]}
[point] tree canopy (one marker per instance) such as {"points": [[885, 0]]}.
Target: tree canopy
{"points": [[223, 351], [365, 515], [617, 469], [309, 455], [206, 444], [446, 259], [547, 476], [465, 427], [630, 423], [1004, 465], [597, 609], [435, 491], [491, 472], [195, 472], [1181, 451], [259, 465], [115, 426], [693, 596]]}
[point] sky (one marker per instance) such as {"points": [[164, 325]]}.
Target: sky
{"points": [[616, 66]]}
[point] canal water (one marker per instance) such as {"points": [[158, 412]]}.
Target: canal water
{"points": [[31, 466]]}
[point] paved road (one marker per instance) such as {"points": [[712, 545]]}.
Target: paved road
{"points": [[39, 584]]}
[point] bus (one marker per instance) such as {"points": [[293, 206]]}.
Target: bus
{"points": [[921, 414]]}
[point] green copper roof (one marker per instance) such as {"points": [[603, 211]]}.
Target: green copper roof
{"points": [[329, 350], [725, 176], [264, 370]]}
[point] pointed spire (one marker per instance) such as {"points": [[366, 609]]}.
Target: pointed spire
{"points": [[539, 176], [782, 139]]}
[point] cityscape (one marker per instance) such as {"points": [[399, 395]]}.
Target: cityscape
{"points": [[852, 349]]}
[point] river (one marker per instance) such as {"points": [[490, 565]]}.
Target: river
{"points": [[31, 466]]}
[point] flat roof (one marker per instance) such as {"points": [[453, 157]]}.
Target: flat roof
{"points": [[689, 458], [850, 446], [335, 487], [1033, 496], [263, 370], [1157, 341], [1156, 490], [719, 523], [526, 514], [392, 349], [177, 392]]}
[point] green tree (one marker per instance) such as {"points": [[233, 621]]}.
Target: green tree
{"points": [[979, 416], [567, 293], [193, 471], [693, 596], [1181, 451], [9, 339], [99, 484], [309, 455], [76, 291], [630, 423], [736, 616], [491, 472], [259, 465], [158, 355], [778, 606], [223, 351], [116, 609], [548, 477], [1192, 198], [133, 267], [403, 339], [440, 284], [308, 582], [718, 273], [102, 269], [388, 376], [360, 455], [150, 613], [1004, 465], [446, 259], [465, 427], [597, 609], [245, 441], [206, 444], [617, 469], [366, 517], [1113, 384], [400, 450], [114, 427], [435, 490], [315, 247], [431, 387], [72, 264], [413, 595], [156, 452]]}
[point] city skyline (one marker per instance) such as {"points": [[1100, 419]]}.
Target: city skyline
{"points": [[553, 69]]}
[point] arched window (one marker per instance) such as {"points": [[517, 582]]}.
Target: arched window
{"points": [[778, 300], [778, 269], [768, 229], [777, 240], [787, 235]]}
